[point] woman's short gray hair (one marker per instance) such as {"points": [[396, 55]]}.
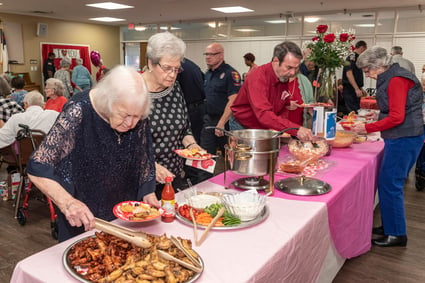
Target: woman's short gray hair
{"points": [[79, 61], [374, 58], [56, 84], [65, 63], [121, 84], [165, 43], [34, 98]]}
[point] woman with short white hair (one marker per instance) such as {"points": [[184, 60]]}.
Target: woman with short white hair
{"points": [[81, 77], [98, 153], [169, 116], [54, 90], [63, 74], [400, 121]]}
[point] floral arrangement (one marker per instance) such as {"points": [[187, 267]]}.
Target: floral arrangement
{"points": [[328, 52]]}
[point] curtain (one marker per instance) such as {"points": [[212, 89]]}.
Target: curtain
{"points": [[66, 50]]}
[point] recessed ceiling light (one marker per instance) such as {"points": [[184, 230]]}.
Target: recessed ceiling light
{"points": [[107, 19], [311, 19], [166, 28], [109, 6], [276, 21], [246, 29], [366, 25], [235, 9]]}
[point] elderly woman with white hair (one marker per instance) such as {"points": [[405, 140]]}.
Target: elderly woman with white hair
{"points": [[169, 116], [54, 89], [98, 153], [64, 75], [400, 121], [81, 77]]}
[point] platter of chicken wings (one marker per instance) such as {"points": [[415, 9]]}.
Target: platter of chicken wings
{"points": [[105, 258]]}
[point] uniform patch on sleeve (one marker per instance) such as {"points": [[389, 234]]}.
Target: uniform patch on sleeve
{"points": [[236, 78]]}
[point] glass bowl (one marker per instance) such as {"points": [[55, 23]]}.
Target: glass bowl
{"points": [[308, 150], [343, 139], [247, 205]]}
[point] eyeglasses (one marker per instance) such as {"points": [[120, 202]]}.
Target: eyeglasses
{"points": [[168, 69], [211, 54]]}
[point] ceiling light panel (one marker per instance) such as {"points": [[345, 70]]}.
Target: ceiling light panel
{"points": [[235, 9], [106, 19], [109, 6]]}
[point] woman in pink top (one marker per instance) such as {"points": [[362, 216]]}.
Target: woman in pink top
{"points": [[54, 91]]}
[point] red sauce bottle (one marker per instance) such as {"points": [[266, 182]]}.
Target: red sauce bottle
{"points": [[168, 201]]}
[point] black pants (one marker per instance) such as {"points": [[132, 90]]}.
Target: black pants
{"points": [[352, 102], [196, 117]]}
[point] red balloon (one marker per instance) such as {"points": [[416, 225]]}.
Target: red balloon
{"points": [[95, 58]]}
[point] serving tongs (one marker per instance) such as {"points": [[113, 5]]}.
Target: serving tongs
{"points": [[180, 246], [167, 256], [139, 239]]}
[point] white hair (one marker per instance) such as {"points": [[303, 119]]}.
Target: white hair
{"points": [[121, 84], [34, 98]]}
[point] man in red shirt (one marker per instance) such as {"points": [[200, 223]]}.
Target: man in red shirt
{"points": [[266, 95]]}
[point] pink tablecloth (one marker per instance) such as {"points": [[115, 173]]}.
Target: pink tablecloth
{"points": [[350, 202], [289, 246]]}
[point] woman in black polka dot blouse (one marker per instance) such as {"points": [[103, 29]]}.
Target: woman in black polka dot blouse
{"points": [[169, 118]]}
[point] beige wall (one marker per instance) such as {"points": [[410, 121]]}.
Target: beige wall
{"points": [[103, 38]]}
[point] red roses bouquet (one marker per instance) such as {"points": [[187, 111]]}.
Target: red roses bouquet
{"points": [[328, 52]]}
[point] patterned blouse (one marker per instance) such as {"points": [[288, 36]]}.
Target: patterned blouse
{"points": [[65, 77], [93, 162], [170, 124]]}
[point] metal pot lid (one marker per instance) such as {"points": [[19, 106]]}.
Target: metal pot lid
{"points": [[303, 186]]}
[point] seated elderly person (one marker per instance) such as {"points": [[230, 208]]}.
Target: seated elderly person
{"points": [[35, 117], [8, 107], [169, 116], [54, 89], [98, 153], [18, 94]]}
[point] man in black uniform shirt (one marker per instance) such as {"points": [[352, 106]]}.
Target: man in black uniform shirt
{"points": [[352, 79], [49, 68], [192, 84], [222, 83]]}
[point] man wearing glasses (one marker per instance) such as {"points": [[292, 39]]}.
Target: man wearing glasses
{"points": [[222, 83]]}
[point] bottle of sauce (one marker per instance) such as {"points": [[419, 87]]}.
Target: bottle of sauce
{"points": [[168, 201]]}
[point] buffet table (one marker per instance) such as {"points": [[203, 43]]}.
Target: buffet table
{"points": [[304, 239], [289, 246], [350, 202]]}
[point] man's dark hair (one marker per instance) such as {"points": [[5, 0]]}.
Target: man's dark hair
{"points": [[361, 43], [249, 57], [286, 47], [51, 54]]}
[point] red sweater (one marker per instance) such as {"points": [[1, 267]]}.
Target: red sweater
{"points": [[397, 96]]}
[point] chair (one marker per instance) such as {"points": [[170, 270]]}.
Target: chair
{"points": [[28, 140]]}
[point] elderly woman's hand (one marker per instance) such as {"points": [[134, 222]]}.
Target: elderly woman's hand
{"points": [[78, 214], [304, 134], [161, 173], [151, 199], [359, 128]]}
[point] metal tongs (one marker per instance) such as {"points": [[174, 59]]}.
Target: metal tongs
{"points": [[139, 239]]}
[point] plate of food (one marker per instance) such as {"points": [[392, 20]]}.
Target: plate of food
{"points": [[80, 262], [193, 154], [310, 105], [230, 219], [136, 211]]}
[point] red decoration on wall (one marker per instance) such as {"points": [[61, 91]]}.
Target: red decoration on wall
{"points": [[66, 50]]}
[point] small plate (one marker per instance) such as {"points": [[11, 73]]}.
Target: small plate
{"points": [[180, 152], [310, 105], [128, 215]]}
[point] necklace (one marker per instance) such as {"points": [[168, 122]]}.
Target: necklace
{"points": [[118, 136], [294, 82]]}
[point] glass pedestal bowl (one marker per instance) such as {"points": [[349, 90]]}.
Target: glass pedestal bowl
{"points": [[308, 150]]}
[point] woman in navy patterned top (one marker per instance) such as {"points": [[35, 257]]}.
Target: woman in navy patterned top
{"points": [[98, 153]]}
